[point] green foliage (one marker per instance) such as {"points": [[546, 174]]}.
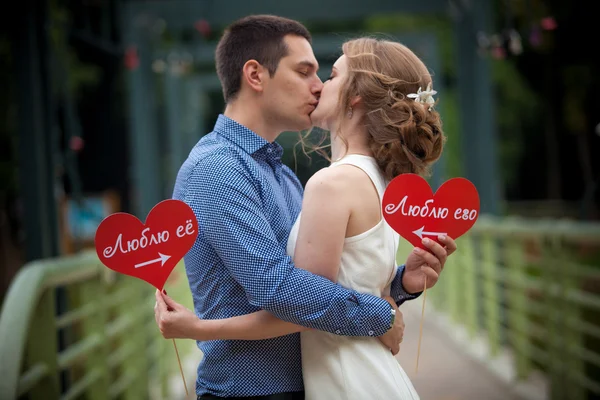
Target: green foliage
{"points": [[517, 110], [70, 71], [450, 124]]}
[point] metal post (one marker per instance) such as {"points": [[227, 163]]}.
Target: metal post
{"points": [[36, 158], [476, 105], [174, 130], [485, 121], [146, 169]]}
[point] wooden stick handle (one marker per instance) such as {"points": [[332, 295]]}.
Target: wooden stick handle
{"points": [[180, 368], [421, 328]]}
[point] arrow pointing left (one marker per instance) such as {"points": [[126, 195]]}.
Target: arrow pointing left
{"points": [[162, 258], [420, 233]]}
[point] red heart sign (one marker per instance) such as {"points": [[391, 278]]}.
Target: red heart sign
{"points": [[151, 251], [412, 210]]}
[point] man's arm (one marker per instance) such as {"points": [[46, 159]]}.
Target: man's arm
{"points": [[231, 218]]}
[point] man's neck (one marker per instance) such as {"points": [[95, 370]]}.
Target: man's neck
{"points": [[251, 118]]}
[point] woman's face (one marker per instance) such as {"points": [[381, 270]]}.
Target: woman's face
{"points": [[327, 111]]}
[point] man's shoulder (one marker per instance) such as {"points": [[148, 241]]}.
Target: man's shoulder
{"points": [[209, 147], [213, 149], [211, 158]]}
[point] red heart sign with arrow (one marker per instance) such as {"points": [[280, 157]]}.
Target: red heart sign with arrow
{"points": [[147, 251], [412, 210]]}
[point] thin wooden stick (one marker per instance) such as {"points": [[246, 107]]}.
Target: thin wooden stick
{"points": [[421, 328], [180, 368]]}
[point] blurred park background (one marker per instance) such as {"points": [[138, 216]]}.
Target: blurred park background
{"points": [[101, 100]]}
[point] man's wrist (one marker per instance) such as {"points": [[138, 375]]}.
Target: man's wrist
{"points": [[378, 323], [399, 291]]}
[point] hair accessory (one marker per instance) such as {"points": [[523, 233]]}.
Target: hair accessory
{"points": [[424, 96]]}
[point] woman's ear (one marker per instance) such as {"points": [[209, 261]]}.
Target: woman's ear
{"points": [[253, 75], [355, 101]]}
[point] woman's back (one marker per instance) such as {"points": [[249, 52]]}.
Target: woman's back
{"points": [[339, 367]]}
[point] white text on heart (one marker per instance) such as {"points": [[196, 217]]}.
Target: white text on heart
{"points": [[144, 241], [426, 211]]}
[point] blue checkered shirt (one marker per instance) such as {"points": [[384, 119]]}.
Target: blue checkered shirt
{"points": [[246, 202]]}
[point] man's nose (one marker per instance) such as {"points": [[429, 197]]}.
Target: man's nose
{"points": [[317, 87]]}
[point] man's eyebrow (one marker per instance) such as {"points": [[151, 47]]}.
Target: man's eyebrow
{"points": [[309, 64]]}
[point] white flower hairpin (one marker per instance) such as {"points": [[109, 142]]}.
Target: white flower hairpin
{"points": [[424, 96]]}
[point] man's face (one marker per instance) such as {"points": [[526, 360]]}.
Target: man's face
{"points": [[292, 94]]}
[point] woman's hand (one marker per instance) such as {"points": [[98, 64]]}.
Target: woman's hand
{"points": [[424, 266], [176, 321]]}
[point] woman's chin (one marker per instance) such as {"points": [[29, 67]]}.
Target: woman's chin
{"points": [[316, 121]]}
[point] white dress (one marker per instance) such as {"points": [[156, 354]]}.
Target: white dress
{"points": [[338, 367]]}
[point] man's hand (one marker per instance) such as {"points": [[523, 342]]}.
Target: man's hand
{"points": [[174, 320], [424, 265], [392, 338]]}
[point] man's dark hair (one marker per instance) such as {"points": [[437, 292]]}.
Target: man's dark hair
{"points": [[256, 37]]}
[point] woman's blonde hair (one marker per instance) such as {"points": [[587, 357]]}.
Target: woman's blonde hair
{"points": [[405, 136]]}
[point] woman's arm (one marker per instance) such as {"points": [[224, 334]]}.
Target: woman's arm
{"points": [[325, 215], [175, 321]]}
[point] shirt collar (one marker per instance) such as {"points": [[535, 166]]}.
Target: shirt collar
{"points": [[238, 134]]}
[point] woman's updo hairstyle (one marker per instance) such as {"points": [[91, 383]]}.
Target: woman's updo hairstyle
{"points": [[405, 135]]}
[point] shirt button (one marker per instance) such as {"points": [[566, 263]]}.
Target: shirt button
{"points": [[269, 150], [338, 332], [371, 333]]}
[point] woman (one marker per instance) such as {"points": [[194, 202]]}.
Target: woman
{"points": [[382, 124]]}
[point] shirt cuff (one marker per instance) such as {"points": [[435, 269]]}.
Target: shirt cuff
{"points": [[397, 291], [381, 320]]}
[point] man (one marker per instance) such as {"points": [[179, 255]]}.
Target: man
{"points": [[246, 202]]}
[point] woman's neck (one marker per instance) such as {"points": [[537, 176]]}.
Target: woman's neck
{"points": [[356, 140]]}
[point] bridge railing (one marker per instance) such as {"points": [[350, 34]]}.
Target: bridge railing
{"points": [[531, 287], [72, 328]]}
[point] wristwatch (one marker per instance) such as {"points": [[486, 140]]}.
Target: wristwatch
{"points": [[393, 312]]}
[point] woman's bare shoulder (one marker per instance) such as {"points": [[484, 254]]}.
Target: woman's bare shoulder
{"points": [[340, 179]]}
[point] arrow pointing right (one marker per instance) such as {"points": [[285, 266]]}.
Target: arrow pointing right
{"points": [[420, 233], [162, 258]]}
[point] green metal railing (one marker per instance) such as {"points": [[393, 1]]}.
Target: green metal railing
{"points": [[104, 344], [533, 288], [529, 287]]}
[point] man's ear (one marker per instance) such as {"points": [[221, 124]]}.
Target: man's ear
{"points": [[253, 74]]}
